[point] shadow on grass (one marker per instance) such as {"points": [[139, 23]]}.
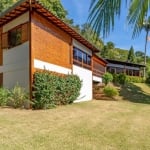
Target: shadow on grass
{"points": [[134, 94]]}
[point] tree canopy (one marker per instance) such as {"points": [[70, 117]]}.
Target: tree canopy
{"points": [[131, 55]]}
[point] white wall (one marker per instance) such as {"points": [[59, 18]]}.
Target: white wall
{"points": [[19, 20], [16, 66], [51, 67], [97, 79], [86, 77]]}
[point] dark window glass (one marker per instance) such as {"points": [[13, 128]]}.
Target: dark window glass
{"points": [[75, 53], [89, 60], [84, 58], [79, 56], [14, 37]]}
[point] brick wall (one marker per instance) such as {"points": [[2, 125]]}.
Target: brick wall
{"points": [[49, 43]]}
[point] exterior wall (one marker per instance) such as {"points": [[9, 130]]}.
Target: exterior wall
{"points": [[15, 66], [38, 64], [86, 78], [50, 45], [97, 79]]}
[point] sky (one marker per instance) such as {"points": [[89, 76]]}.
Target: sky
{"points": [[121, 36]]}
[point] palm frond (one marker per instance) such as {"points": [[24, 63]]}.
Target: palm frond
{"points": [[102, 15]]}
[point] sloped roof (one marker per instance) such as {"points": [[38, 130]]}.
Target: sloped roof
{"points": [[124, 63], [25, 5]]}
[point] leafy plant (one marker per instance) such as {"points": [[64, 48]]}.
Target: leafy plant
{"points": [[18, 97], [110, 91], [4, 94], [51, 89], [107, 77]]}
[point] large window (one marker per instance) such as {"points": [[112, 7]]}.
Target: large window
{"points": [[14, 37], [81, 58]]}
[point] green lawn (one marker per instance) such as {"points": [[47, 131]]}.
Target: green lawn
{"points": [[94, 125]]}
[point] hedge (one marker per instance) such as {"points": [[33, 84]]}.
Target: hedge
{"points": [[51, 89]]}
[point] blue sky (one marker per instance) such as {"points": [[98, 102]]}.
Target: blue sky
{"points": [[122, 34]]}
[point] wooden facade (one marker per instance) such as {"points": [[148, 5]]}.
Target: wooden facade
{"points": [[99, 66], [50, 41]]}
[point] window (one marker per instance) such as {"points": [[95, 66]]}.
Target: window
{"points": [[14, 37], [81, 58]]}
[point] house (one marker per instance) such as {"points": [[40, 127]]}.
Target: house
{"points": [[33, 38], [131, 69]]}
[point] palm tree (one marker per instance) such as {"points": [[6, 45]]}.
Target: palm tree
{"points": [[146, 26], [103, 13]]}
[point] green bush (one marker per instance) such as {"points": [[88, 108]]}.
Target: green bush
{"points": [[4, 94], [50, 89], [18, 97], [107, 77], [135, 79], [110, 91], [123, 79], [148, 78]]}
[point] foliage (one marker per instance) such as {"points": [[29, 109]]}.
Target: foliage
{"points": [[107, 77], [4, 4], [88, 34], [50, 89], [18, 97], [110, 91], [123, 79], [131, 55], [4, 94], [103, 20], [135, 79], [119, 78], [148, 78]]}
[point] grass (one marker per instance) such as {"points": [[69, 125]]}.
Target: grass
{"points": [[94, 125], [137, 92]]}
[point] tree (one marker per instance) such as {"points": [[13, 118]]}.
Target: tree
{"points": [[103, 13], [106, 50], [131, 55], [146, 26], [5, 4], [88, 33]]}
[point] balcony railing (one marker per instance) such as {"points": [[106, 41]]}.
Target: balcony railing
{"points": [[81, 64]]}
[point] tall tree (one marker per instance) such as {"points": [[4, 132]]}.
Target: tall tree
{"points": [[131, 55], [103, 13]]}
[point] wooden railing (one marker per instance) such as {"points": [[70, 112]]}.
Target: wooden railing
{"points": [[98, 73], [81, 64]]}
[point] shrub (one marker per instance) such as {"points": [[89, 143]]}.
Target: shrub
{"points": [[4, 94], [110, 91], [18, 97], [51, 89], [135, 79], [122, 78], [148, 78], [107, 77]]}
